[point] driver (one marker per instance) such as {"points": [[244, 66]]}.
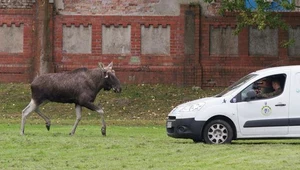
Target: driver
{"points": [[277, 90], [264, 86]]}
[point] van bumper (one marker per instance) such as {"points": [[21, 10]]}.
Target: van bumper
{"points": [[184, 128]]}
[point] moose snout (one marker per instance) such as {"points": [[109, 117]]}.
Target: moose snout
{"points": [[117, 90]]}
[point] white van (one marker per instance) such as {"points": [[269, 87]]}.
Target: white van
{"points": [[241, 111]]}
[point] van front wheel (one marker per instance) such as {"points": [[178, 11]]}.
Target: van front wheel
{"points": [[217, 132]]}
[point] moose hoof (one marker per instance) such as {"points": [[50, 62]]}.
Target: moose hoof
{"points": [[48, 127], [103, 131]]}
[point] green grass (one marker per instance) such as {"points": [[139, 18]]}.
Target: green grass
{"points": [[136, 137], [135, 148]]}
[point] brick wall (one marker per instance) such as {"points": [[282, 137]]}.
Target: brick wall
{"points": [[192, 57], [110, 7], [16, 4], [23, 63], [223, 69], [171, 68], [16, 67]]}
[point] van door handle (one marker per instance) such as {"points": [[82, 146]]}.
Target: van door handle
{"points": [[280, 104]]}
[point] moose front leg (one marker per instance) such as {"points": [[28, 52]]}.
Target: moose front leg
{"points": [[103, 129], [93, 107]]}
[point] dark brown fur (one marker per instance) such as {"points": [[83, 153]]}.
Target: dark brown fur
{"points": [[80, 87]]}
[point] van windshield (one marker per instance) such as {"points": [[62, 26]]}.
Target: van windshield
{"points": [[236, 85]]}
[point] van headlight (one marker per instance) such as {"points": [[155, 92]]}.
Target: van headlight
{"points": [[191, 107]]}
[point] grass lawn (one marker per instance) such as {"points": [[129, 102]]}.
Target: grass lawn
{"points": [[135, 147], [136, 136]]}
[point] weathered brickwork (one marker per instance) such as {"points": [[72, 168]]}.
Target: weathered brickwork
{"points": [[193, 50], [16, 4], [110, 7], [16, 66], [223, 69], [148, 68]]}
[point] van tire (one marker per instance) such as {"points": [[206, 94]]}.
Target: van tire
{"points": [[217, 132]]}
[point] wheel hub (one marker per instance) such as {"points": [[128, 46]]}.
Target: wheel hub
{"points": [[217, 133]]}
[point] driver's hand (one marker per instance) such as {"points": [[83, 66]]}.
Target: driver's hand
{"points": [[257, 91]]}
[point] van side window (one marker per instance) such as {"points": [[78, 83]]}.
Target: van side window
{"points": [[266, 87]]}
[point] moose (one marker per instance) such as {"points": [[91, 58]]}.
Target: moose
{"points": [[79, 86]]}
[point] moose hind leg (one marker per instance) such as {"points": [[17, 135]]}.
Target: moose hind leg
{"points": [[78, 110], [28, 109], [47, 120]]}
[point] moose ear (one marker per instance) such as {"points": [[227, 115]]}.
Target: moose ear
{"points": [[101, 65], [109, 67]]}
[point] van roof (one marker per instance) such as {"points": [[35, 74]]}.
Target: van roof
{"points": [[271, 69]]}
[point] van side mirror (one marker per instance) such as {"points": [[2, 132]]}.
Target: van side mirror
{"points": [[251, 95]]}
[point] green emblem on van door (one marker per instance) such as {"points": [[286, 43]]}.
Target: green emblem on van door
{"points": [[266, 110]]}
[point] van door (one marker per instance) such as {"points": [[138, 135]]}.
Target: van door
{"points": [[265, 117], [294, 114]]}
